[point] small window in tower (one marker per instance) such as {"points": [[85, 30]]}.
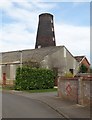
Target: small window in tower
{"points": [[51, 21], [52, 29], [53, 39], [39, 46]]}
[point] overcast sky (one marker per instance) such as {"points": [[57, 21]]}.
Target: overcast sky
{"points": [[19, 22]]}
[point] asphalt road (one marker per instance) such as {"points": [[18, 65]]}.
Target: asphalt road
{"points": [[15, 106]]}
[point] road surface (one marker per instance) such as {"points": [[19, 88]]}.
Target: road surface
{"points": [[15, 106]]}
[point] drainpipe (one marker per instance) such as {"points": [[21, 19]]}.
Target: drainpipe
{"points": [[20, 58]]}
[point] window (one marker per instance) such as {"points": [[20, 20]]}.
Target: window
{"points": [[51, 21], [53, 39], [39, 46], [52, 29], [71, 70]]}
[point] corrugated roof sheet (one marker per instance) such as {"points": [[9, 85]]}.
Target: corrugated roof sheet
{"points": [[30, 54]]}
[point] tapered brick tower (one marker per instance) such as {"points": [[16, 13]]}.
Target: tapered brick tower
{"points": [[45, 33]]}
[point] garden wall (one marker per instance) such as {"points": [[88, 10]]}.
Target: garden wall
{"points": [[75, 89]]}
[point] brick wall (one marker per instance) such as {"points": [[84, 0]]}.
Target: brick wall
{"points": [[75, 89]]}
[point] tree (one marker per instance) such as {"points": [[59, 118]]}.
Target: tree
{"points": [[31, 63], [83, 69], [91, 70]]}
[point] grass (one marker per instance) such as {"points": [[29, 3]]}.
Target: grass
{"points": [[0, 88], [7, 87], [30, 91], [41, 91]]}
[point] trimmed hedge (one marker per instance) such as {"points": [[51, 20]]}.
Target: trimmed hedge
{"points": [[32, 78]]}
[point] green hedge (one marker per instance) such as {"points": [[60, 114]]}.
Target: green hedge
{"points": [[32, 78]]}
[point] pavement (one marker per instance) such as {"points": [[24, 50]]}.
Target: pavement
{"points": [[66, 108]]}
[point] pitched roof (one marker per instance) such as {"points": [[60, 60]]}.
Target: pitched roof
{"points": [[79, 58], [33, 54]]}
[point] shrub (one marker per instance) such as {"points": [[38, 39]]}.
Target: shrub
{"points": [[69, 74], [83, 69], [32, 78], [91, 70], [31, 63]]}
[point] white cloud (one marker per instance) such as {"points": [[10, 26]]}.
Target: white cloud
{"points": [[44, 5], [21, 32], [75, 38], [67, 0], [25, 11], [16, 37], [5, 4]]}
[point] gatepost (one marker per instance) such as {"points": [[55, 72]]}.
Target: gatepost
{"points": [[80, 91]]}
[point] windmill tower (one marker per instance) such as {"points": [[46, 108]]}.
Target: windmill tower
{"points": [[45, 33]]}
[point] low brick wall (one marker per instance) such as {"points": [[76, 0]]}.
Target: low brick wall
{"points": [[7, 82], [76, 89]]}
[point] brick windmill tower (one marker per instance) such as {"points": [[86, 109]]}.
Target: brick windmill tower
{"points": [[45, 33]]}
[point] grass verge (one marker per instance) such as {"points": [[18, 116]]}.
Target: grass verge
{"points": [[30, 91], [6, 87], [43, 90]]}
